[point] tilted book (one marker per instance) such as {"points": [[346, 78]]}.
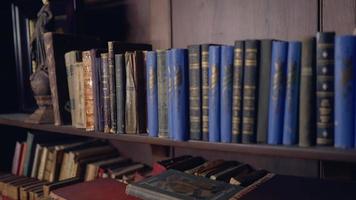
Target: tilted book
{"points": [[152, 98], [277, 92], [290, 127], [214, 93], [162, 81], [250, 91], [237, 91], [345, 68], [325, 87], [174, 185], [227, 53], [307, 97], [205, 90]]}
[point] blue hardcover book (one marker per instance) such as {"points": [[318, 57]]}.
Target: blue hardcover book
{"points": [[290, 129], [169, 93], [277, 92], [214, 93], [345, 68], [180, 84], [226, 56], [152, 99]]}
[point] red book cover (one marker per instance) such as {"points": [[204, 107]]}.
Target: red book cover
{"points": [[158, 169], [22, 159]]}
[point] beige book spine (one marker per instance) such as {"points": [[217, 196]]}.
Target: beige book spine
{"points": [[42, 163]]}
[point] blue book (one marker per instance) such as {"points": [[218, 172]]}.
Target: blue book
{"points": [[152, 99], [345, 68], [214, 93], [180, 84], [227, 56], [290, 129], [277, 92], [169, 93]]}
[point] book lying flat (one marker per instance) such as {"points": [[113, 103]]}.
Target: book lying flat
{"points": [[174, 185]]}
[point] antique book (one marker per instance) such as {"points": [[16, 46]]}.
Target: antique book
{"points": [[60, 184], [162, 81], [188, 163], [42, 162], [152, 96], [92, 169], [169, 93], [107, 189], [248, 178], [290, 126], [36, 161], [264, 82], [16, 158], [23, 191], [277, 92], [250, 91], [88, 64], [56, 45], [239, 51], [135, 106], [180, 85], [214, 93], [219, 168], [12, 190], [79, 94], [118, 173], [120, 92], [104, 170], [179, 185], [97, 89], [205, 90], [172, 161], [325, 87], [106, 93], [307, 97], [208, 166], [226, 82], [226, 174], [195, 93], [345, 67]]}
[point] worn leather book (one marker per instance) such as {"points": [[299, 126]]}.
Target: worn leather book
{"points": [[135, 107], [229, 172], [162, 81], [79, 94], [118, 173], [250, 91], [107, 189], [179, 185], [97, 89], [325, 87], [24, 189], [120, 76], [248, 178], [169, 65], [218, 168], [205, 90], [92, 169], [12, 190], [60, 184], [7, 182], [264, 82], [208, 166], [307, 97], [56, 45], [106, 92], [105, 169], [7, 179], [88, 64], [36, 161], [188, 164], [152, 95]]}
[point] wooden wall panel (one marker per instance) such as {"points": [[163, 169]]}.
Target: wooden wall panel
{"points": [[224, 21], [339, 16]]}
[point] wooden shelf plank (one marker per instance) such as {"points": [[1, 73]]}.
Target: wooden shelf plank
{"points": [[313, 153]]}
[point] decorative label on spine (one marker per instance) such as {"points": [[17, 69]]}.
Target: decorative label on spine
{"points": [[237, 91], [250, 91], [88, 90], [325, 88], [120, 92], [290, 129], [162, 93], [170, 93], [277, 92], [214, 93], [227, 53], [205, 90], [307, 125], [195, 113], [106, 93], [180, 94], [112, 88], [345, 69], [151, 78]]}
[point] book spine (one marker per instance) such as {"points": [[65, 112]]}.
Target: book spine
{"points": [[250, 91], [180, 84], [237, 91], [95, 67], [68, 62], [170, 93], [214, 93], [325, 88], [162, 94], [131, 122], [195, 92], [112, 87], [81, 96], [227, 53], [307, 124], [264, 83], [141, 97], [345, 68], [88, 90], [277, 92], [290, 126], [106, 93], [152, 101], [100, 105], [205, 90], [120, 92]]}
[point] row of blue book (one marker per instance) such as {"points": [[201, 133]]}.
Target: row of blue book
{"points": [[257, 91]]}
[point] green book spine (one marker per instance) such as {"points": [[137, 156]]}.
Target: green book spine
{"points": [[205, 90], [162, 94]]}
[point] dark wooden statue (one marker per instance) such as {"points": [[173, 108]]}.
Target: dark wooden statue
{"points": [[39, 79]]}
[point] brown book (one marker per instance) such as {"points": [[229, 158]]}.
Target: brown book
{"points": [[118, 173], [4, 184], [13, 190], [59, 184], [5, 180], [88, 90], [56, 45], [135, 107], [208, 166], [24, 189], [92, 169]]}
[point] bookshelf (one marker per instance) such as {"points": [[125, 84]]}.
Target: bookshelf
{"points": [[310, 153]]}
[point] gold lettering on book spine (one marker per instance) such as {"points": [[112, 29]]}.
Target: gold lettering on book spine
{"points": [[277, 80], [214, 76]]}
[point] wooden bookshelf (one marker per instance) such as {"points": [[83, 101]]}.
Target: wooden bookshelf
{"points": [[310, 153]]}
